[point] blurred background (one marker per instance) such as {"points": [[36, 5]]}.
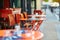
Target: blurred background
{"points": [[49, 27]]}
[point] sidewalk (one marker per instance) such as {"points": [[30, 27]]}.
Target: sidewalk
{"points": [[50, 27]]}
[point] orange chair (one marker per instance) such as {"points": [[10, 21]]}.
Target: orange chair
{"points": [[9, 22], [26, 16], [23, 16]]}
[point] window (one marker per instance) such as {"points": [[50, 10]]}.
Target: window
{"points": [[15, 3]]}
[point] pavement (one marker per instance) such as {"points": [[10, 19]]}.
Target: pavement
{"points": [[50, 27]]}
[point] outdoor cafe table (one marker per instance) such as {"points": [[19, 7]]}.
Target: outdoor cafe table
{"points": [[28, 35]]}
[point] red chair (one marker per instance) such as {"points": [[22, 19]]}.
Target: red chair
{"points": [[11, 20], [33, 23], [17, 18], [40, 21], [37, 27], [36, 24], [5, 13], [38, 11]]}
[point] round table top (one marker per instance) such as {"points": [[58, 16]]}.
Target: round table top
{"points": [[32, 35], [27, 35]]}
